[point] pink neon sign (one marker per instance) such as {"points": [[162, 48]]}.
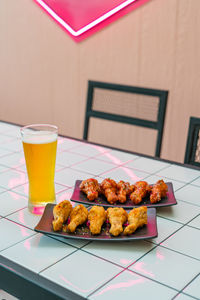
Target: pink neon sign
{"points": [[81, 18]]}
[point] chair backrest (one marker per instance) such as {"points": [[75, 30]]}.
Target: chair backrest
{"points": [[127, 104], [192, 153]]}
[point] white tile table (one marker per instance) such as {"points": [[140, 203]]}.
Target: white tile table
{"points": [[35, 266]]}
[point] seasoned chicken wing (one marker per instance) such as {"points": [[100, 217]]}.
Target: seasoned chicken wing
{"points": [[158, 191], [61, 212], [91, 188], [117, 216], [137, 217], [78, 216], [124, 189], [109, 189], [96, 216], [141, 190]]}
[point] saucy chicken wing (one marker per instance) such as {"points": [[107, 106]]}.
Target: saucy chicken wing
{"points": [[117, 216], [141, 190], [109, 189], [61, 212], [97, 216], [91, 188], [158, 191], [78, 216], [137, 217], [124, 189]]}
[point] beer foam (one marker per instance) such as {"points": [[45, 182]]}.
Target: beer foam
{"points": [[41, 137]]}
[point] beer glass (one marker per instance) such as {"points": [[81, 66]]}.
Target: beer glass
{"points": [[40, 144]]}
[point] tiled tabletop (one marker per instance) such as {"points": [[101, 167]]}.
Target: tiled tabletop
{"points": [[166, 267]]}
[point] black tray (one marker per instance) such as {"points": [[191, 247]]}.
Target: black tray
{"points": [[82, 233], [80, 197]]}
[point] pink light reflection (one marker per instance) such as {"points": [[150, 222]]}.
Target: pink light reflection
{"points": [[13, 182], [77, 288], [121, 285], [139, 266], [88, 26], [159, 255], [125, 261], [27, 245]]}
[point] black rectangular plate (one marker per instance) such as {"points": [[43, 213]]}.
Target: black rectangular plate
{"points": [[82, 233], [80, 197]]}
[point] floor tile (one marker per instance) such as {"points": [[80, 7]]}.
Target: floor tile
{"points": [[2, 190], [4, 152], [38, 252], [13, 131], [92, 272], [179, 173], [193, 288], [90, 150], [3, 168], [73, 242], [122, 173], [165, 229], [154, 178], [10, 202], [24, 217], [148, 165], [182, 296], [65, 144], [117, 157], [13, 145], [68, 159], [182, 212], [12, 233], [64, 195], [131, 286], [12, 160], [196, 181], [123, 254], [69, 176], [189, 193], [185, 241], [195, 222], [94, 166], [159, 263], [11, 178]]}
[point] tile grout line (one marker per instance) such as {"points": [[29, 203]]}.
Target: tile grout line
{"points": [[181, 291]]}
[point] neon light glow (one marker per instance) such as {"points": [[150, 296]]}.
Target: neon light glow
{"points": [[88, 26]]}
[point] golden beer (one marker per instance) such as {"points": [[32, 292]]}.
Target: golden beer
{"points": [[40, 155]]}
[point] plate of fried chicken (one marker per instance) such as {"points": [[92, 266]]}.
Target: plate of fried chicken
{"points": [[110, 193], [97, 223]]}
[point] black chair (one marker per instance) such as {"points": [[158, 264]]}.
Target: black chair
{"points": [[192, 153], [127, 104]]}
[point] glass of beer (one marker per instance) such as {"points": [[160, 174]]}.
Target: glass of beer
{"points": [[40, 144]]}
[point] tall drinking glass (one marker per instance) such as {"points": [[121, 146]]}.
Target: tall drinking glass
{"points": [[40, 144]]}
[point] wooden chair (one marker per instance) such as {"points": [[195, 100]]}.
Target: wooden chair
{"points": [[127, 104], [192, 153]]}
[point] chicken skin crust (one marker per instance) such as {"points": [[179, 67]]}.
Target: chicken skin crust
{"points": [[117, 216], [141, 190], [109, 189], [97, 216], [124, 189], [137, 217], [61, 212], [158, 191], [91, 188], [78, 216]]}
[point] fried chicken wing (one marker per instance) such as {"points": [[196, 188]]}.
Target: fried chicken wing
{"points": [[97, 216], [78, 216], [124, 189], [117, 216], [141, 190], [137, 217], [109, 189], [91, 188], [61, 212], [158, 191]]}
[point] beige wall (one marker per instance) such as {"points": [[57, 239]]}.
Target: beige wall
{"points": [[44, 73]]}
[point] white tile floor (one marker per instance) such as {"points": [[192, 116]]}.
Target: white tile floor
{"points": [[165, 267]]}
